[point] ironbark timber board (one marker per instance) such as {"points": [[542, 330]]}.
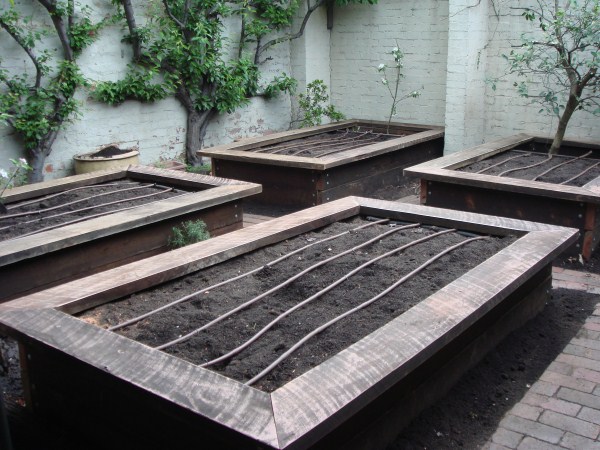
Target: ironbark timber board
{"points": [[50, 257], [571, 206], [348, 392], [308, 181]]}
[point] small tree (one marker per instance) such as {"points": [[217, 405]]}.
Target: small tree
{"points": [[182, 50], [564, 57], [38, 103], [393, 86]]}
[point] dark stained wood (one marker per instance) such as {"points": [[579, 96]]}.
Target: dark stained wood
{"points": [[348, 390], [54, 256], [306, 181], [442, 185]]}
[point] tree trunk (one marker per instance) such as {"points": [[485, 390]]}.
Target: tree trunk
{"points": [[197, 122], [37, 158], [563, 121]]}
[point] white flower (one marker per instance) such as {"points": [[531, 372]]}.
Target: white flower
{"points": [[3, 173], [381, 66], [384, 81], [22, 160], [395, 50]]}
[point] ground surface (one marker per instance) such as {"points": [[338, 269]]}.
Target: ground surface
{"points": [[78, 204]]}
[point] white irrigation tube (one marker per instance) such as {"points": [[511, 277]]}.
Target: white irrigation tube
{"points": [[525, 167], [77, 211], [581, 173], [322, 292], [568, 161], [326, 325], [485, 169], [280, 286], [68, 191], [246, 274], [52, 208]]}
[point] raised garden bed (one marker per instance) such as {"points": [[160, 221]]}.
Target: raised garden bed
{"points": [[63, 229], [311, 166], [330, 395], [564, 190]]}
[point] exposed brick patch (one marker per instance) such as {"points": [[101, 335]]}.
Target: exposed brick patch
{"points": [[530, 443], [587, 374], [544, 388], [526, 411], [578, 361], [576, 442], [582, 398], [507, 438], [589, 414], [565, 380], [553, 404], [572, 424], [530, 428]]}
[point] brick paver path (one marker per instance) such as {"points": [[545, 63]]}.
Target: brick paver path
{"points": [[562, 409]]}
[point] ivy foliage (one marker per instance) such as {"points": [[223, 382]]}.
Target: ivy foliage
{"points": [[38, 103], [183, 49]]}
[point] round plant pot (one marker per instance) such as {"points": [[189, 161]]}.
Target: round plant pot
{"points": [[109, 157]]}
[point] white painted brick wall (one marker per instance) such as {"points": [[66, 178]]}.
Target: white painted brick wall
{"points": [[157, 129], [361, 39]]}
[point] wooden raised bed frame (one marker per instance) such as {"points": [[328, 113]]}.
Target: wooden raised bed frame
{"points": [[569, 206], [379, 383], [296, 181], [51, 257]]}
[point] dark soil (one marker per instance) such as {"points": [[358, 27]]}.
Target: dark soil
{"points": [[525, 158], [78, 204], [219, 339], [109, 151], [329, 143]]}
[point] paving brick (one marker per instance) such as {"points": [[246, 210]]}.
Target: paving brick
{"points": [[587, 343], [579, 397], [596, 391], [559, 367], [576, 442], [592, 326], [587, 374], [530, 443], [564, 380], [594, 319], [589, 414], [533, 429], [572, 424], [585, 333], [578, 361], [553, 404], [584, 352], [507, 438], [544, 388], [526, 411], [493, 446]]}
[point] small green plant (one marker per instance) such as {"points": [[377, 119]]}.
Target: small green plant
{"points": [[204, 168], [314, 105], [393, 85], [189, 232], [16, 177]]}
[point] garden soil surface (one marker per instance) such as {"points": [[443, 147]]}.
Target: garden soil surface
{"points": [[466, 418], [74, 205]]}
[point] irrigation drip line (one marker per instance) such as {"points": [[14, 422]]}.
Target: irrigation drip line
{"points": [[583, 172], [74, 202], [68, 191], [363, 305], [238, 277], [485, 169], [307, 142], [39, 219], [280, 286], [337, 145], [526, 167], [351, 147], [70, 222], [322, 292], [568, 161]]}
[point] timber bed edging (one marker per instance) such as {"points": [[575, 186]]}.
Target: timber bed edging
{"points": [[361, 368]]}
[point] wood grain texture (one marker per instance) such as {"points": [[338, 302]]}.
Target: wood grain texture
{"points": [[21, 248], [356, 376], [210, 395], [310, 407], [241, 151], [106, 286]]}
